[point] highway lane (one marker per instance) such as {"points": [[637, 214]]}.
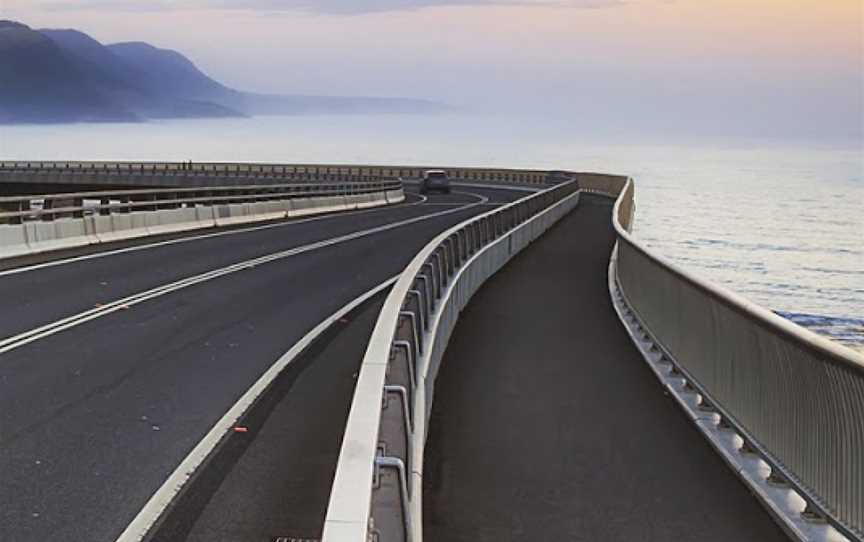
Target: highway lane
{"points": [[275, 479], [93, 419], [209, 273], [42, 295]]}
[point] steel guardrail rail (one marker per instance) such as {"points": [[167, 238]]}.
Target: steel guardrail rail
{"points": [[35, 224], [795, 398], [192, 189], [21, 207], [377, 488], [264, 170]]}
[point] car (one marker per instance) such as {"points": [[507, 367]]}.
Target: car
{"points": [[435, 180]]}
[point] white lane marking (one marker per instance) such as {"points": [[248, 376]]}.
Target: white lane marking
{"points": [[46, 330], [161, 499], [288, 222], [502, 187], [489, 186], [445, 204]]}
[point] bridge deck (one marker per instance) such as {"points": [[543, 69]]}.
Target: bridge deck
{"points": [[274, 481], [547, 424], [94, 418]]}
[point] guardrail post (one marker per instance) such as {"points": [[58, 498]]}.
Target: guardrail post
{"points": [[441, 261], [395, 425], [418, 305], [435, 279], [407, 329], [390, 504]]}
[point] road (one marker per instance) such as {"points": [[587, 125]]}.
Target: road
{"points": [[136, 353], [565, 433]]}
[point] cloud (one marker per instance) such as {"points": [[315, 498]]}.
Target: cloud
{"points": [[356, 7], [111, 6], [330, 7]]}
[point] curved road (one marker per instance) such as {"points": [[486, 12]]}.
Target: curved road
{"points": [[113, 365]]}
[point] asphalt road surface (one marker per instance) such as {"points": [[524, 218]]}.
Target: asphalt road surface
{"points": [[114, 365], [562, 432]]}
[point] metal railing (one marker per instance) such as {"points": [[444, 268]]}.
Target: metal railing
{"points": [[258, 172], [377, 492], [18, 209], [41, 223], [795, 398]]}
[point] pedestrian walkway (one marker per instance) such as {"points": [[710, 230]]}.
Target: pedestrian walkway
{"points": [[548, 426]]}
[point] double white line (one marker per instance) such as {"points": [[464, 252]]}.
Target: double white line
{"points": [[188, 238], [122, 304]]}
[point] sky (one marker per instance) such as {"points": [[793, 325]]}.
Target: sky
{"points": [[761, 68]]}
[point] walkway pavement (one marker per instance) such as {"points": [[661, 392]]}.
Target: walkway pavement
{"points": [[548, 426]]}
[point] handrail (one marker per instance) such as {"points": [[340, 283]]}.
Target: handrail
{"points": [[408, 338], [795, 397], [819, 344], [133, 199], [182, 190], [257, 170], [41, 223]]}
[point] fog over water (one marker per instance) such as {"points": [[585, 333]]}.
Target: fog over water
{"points": [[780, 223]]}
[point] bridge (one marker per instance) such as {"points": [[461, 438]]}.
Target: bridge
{"points": [[251, 351]]}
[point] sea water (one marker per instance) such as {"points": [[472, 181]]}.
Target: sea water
{"points": [[781, 223]]}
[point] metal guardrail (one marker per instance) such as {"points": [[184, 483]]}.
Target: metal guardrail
{"points": [[18, 209], [377, 492], [42, 223], [795, 398], [253, 171]]}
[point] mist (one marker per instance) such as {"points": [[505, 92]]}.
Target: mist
{"points": [[790, 69]]}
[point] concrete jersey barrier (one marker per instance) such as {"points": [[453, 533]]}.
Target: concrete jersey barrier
{"points": [[39, 236], [377, 491], [783, 406]]}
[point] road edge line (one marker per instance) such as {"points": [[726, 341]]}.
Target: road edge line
{"points": [[10, 343], [159, 502]]}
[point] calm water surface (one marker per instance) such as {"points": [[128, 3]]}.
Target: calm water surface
{"points": [[780, 223]]}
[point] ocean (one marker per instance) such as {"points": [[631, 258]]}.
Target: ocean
{"points": [[781, 223]]}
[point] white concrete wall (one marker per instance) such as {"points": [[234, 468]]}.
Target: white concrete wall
{"points": [[37, 237]]}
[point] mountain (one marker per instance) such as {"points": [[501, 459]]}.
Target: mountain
{"points": [[142, 86], [168, 72], [181, 77], [66, 76], [39, 83]]}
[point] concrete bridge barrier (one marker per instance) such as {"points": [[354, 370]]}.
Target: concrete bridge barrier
{"points": [[782, 406], [56, 234], [394, 196], [302, 207], [72, 220], [13, 241], [377, 491], [171, 220]]}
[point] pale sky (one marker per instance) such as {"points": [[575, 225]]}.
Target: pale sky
{"points": [[748, 67]]}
